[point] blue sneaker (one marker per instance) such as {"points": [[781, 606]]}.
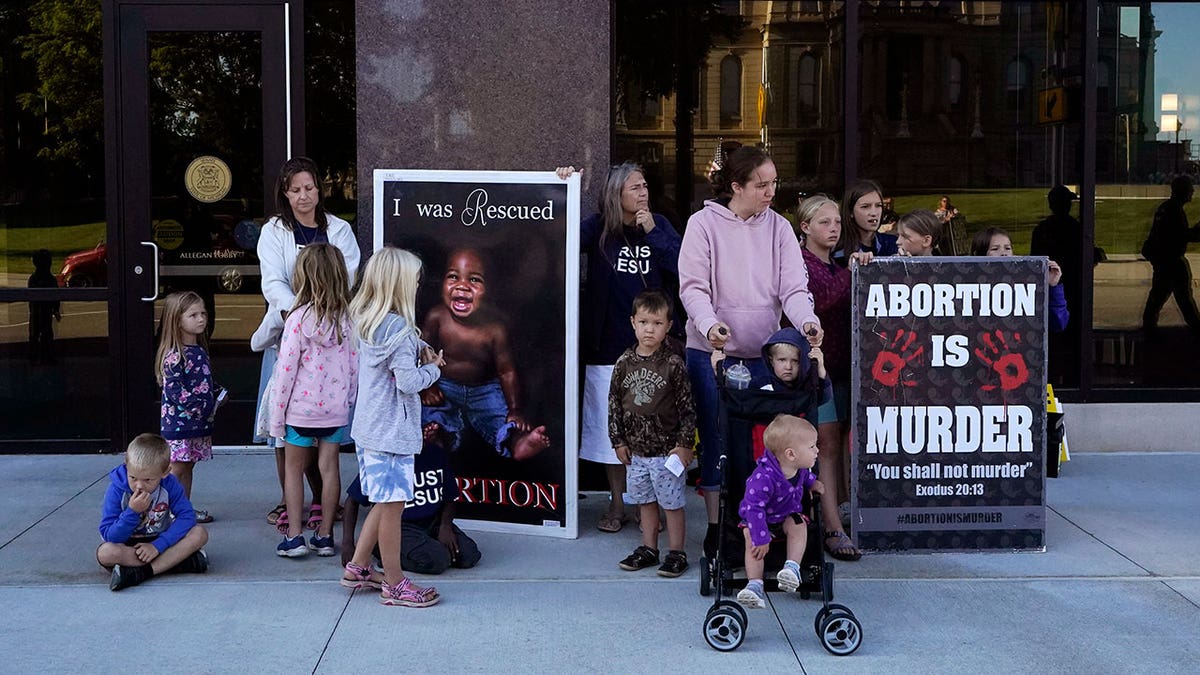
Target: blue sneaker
{"points": [[292, 548], [322, 545]]}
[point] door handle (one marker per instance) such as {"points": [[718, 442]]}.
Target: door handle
{"points": [[153, 296]]}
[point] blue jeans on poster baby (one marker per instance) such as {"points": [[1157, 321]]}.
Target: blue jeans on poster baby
{"points": [[481, 407]]}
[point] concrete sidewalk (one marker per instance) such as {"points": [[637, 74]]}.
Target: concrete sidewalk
{"points": [[1117, 591]]}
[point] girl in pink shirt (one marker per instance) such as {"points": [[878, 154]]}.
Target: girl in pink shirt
{"points": [[313, 389]]}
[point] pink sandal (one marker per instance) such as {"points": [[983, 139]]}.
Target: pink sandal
{"points": [[282, 524], [404, 594], [362, 577], [314, 517]]}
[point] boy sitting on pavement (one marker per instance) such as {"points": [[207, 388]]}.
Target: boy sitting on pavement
{"points": [[651, 421], [430, 542], [774, 503], [148, 525]]}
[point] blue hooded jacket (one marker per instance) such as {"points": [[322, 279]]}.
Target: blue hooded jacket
{"points": [[808, 376], [170, 516]]}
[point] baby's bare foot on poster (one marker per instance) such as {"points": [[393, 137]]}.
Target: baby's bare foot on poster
{"points": [[528, 446]]}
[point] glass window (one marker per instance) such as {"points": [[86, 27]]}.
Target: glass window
{"points": [[731, 91], [800, 128], [55, 365], [51, 144], [954, 84], [806, 88], [1145, 322], [989, 161]]}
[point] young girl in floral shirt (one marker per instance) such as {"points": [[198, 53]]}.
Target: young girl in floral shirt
{"points": [[188, 394]]}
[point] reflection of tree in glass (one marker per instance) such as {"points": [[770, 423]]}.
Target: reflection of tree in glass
{"points": [[205, 97], [660, 48], [61, 42], [57, 71]]}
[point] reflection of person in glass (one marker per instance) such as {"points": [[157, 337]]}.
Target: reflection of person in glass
{"points": [[42, 313], [1165, 249], [1059, 237], [479, 380]]}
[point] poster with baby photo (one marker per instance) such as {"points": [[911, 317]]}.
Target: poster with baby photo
{"points": [[498, 297]]}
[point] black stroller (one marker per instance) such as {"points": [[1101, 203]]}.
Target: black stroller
{"points": [[725, 623]]}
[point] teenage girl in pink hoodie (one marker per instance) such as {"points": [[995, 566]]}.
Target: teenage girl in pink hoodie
{"points": [[313, 388], [740, 267]]}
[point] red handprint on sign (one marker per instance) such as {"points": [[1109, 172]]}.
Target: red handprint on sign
{"points": [[891, 361], [1001, 358]]}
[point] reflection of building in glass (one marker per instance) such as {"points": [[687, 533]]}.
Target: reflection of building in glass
{"points": [[951, 93]]}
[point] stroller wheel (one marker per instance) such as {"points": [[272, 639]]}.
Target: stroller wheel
{"points": [[724, 629], [741, 611], [840, 634], [705, 578], [828, 610]]}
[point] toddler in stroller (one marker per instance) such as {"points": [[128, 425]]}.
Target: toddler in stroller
{"points": [[796, 385], [769, 434], [774, 504]]}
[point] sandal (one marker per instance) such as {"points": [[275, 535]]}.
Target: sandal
{"points": [[356, 576], [404, 594], [273, 516], [314, 517], [282, 524], [611, 523], [838, 545]]}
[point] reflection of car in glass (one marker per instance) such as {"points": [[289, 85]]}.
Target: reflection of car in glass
{"points": [[85, 268], [226, 265]]}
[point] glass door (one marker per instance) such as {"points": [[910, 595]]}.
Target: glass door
{"points": [[56, 358], [204, 113]]}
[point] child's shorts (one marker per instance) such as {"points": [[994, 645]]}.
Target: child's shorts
{"points": [[355, 492], [649, 480], [191, 449], [776, 529], [837, 408], [308, 437], [385, 476]]}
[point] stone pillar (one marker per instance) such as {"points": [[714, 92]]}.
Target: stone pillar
{"points": [[462, 84]]}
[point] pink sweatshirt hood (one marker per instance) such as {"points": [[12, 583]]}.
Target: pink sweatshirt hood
{"points": [[746, 273], [315, 381]]}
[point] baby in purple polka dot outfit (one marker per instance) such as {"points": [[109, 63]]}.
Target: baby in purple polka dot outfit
{"points": [[774, 501]]}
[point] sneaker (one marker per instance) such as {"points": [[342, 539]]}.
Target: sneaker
{"points": [[751, 597], [641, 558], [124, 577], [674, 565], [292, 548], [404, 594], [196, 563], [788, 579], [203, 517], [322, 545]]}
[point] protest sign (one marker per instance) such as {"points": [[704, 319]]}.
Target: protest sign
{"points": [[500, 296], [949, 418]]}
